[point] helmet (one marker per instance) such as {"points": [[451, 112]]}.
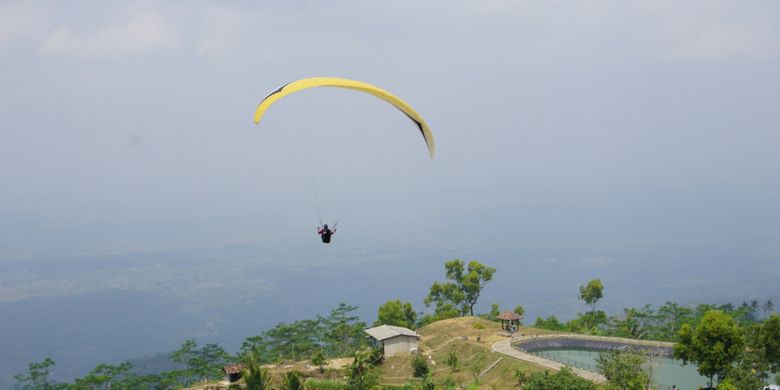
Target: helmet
{"points": [[325, 226]]}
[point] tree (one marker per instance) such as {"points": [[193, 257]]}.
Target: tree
{"points": [[338, 334], [549, 323], [480, 327], [494, 312], [318, 359], [590, 322], [293, 380], [726, 385], [519, 310], [464, 289], [447, 300], [344, 330], [623, 370], [743, 376], [768, 307], [714, 345], [396, 313], [767, 342], [637, 324], [673, 316], [360, 374], [200, 363], [256, 377], [37, 377], [103, 376], [591, 293]]}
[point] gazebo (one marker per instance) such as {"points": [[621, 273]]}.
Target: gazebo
{"points": [[233, 372], [509, 320]]}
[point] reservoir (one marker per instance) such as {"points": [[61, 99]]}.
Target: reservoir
{"points": [[583, 351], [666, 371]]}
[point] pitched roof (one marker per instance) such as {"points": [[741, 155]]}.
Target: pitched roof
{"points": [[233, 368], [509, 316], [385, 332]]}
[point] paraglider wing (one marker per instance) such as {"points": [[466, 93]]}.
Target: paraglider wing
{"points": [[298, 85]]}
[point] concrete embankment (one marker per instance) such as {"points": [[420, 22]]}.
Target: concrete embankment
{"points": [[521, 347]]}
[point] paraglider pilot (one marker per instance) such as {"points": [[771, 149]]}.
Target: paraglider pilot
{"points": [[325, 233]]}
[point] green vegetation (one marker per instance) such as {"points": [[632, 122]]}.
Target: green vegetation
{"points": [[459, 296], [520, 376], [339, 334], [318, 359], [396, 313], [361, 374], [37, 376], [452, 361], [564, 379], [647, 323], [624, 371], [103, 376], [419, 366], [200, 363], [737, 345], [591, 293], [713, 345], [256, 377], [293, 380], [519, 310]]}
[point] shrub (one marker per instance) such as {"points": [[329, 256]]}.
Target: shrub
{"points": [[419, 365], [452, 361]]}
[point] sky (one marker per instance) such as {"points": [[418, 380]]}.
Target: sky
{"points": [[126, 127]]}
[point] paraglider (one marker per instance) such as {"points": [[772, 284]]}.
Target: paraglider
{"points": [[325, 232], [313, 82], [302, 84]]}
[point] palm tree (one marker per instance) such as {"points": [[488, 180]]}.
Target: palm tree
{"points": [[256, 377], [293, 380]]}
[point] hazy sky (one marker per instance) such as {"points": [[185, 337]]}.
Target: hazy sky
{"points": [[126, 126]]}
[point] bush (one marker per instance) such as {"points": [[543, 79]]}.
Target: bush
{"points": [[452, 361], [419, 365], [561, 380], [318, 359], [293, 380]]}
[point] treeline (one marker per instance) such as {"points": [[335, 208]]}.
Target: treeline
{"points": [[732, 345], [649, 323], [737, 345], [338, 334]]}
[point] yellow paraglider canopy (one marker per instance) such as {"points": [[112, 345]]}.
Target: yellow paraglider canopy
{"points": [[312, 82]]}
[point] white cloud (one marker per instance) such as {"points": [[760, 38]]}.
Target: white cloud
{"points": [[143, 31], [19, 21], [719, 31], [223, 32], [737, 40]]}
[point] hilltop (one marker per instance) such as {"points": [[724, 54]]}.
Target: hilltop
{"points": [[460, 337]]}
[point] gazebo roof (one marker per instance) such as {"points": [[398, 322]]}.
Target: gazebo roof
{"points": [[509, 316]]}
